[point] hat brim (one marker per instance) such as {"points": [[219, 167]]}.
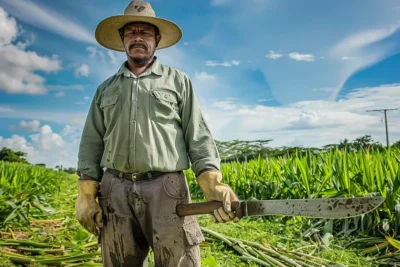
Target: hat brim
{"points": [[108, 36]]}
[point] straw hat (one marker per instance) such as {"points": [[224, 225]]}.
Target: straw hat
{"points": [[107, 33]]}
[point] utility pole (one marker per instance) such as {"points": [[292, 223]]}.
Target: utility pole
{"points": [[386, 126]]}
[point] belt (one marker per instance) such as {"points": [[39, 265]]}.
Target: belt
{"points": [[135, 176]]}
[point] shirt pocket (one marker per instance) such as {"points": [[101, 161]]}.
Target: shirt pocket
{"points": [[163, 106], [108, 105]]}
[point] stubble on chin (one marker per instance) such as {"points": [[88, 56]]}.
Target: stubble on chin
{"points": [[140, 60]]}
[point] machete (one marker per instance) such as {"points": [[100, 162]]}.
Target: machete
{"points": [[317, 208]]}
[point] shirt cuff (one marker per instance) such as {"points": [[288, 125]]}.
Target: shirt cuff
{"points": [[90, 169], [205, 165]]}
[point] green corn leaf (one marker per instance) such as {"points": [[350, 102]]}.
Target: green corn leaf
{"points": [[395, 243], [375, 248]]}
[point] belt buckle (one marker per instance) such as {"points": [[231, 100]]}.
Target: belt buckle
{"points": [[134, 176]]}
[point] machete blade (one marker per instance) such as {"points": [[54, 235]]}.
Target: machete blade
{"points": [[317, 208]]}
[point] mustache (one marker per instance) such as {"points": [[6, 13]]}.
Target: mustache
{"points": [[138, 45]]}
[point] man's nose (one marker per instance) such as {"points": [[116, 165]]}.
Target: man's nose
{"points": [[137, 38]]}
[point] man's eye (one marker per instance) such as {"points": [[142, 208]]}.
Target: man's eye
{"points": [[143, 33]]}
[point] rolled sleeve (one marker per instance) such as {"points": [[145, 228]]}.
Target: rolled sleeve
{"points": [[202, 150], [91, 147]]}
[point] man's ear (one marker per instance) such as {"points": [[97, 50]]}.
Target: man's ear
{"points": [[158, 39]]}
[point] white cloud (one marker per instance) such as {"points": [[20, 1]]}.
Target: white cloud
{"points": [[324, 89], [359, 45], [362, 39], [315, 123], [84, 102], [301, 57], [225, 105], [348, 58], [16, 143], [47, 146], [273, 55], [113, 57], [78, 87], [28, 60], [51, 20], [28, 126], [204, 76], [185, 43], [94, 52], [231, 63], [71, 133], [47, 140], [17, 66], [68, 130], [82, 70], [99, 53], [8, 28]]}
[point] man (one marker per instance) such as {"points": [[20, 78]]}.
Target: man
{"points": [[145, 127]]}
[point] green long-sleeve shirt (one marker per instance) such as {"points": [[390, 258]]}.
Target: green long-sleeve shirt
{"points": [[147, 122]]}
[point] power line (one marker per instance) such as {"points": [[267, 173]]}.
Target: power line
{"points": [[386, 125]]}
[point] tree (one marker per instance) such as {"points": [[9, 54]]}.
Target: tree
{"points": [[70, 170], [344, 144], [396, 144], [360, 143], [364, 142], [59, 167], [6, 154]]}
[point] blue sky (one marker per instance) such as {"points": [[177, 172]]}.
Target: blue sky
{"points": [[262, 69]]}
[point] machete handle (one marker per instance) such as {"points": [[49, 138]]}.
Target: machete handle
{"points": [[197, 208], [202, 208]]}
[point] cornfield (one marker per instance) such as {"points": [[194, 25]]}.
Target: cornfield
{"points": [[26, 193], [336, 173]]}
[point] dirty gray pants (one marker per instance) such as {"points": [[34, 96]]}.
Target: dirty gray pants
{"points": [[141, 214]]}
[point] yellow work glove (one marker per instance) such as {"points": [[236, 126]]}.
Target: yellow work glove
{"points": [[213, 190], [88, 211]]}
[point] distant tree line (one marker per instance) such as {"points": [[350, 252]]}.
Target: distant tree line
{"points": [[237, 150], [240, 150]]}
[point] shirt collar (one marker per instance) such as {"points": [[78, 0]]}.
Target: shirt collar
{"points": [[154, 68]]}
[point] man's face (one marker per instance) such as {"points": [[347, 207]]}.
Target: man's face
{"points": [[140, 42]]}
